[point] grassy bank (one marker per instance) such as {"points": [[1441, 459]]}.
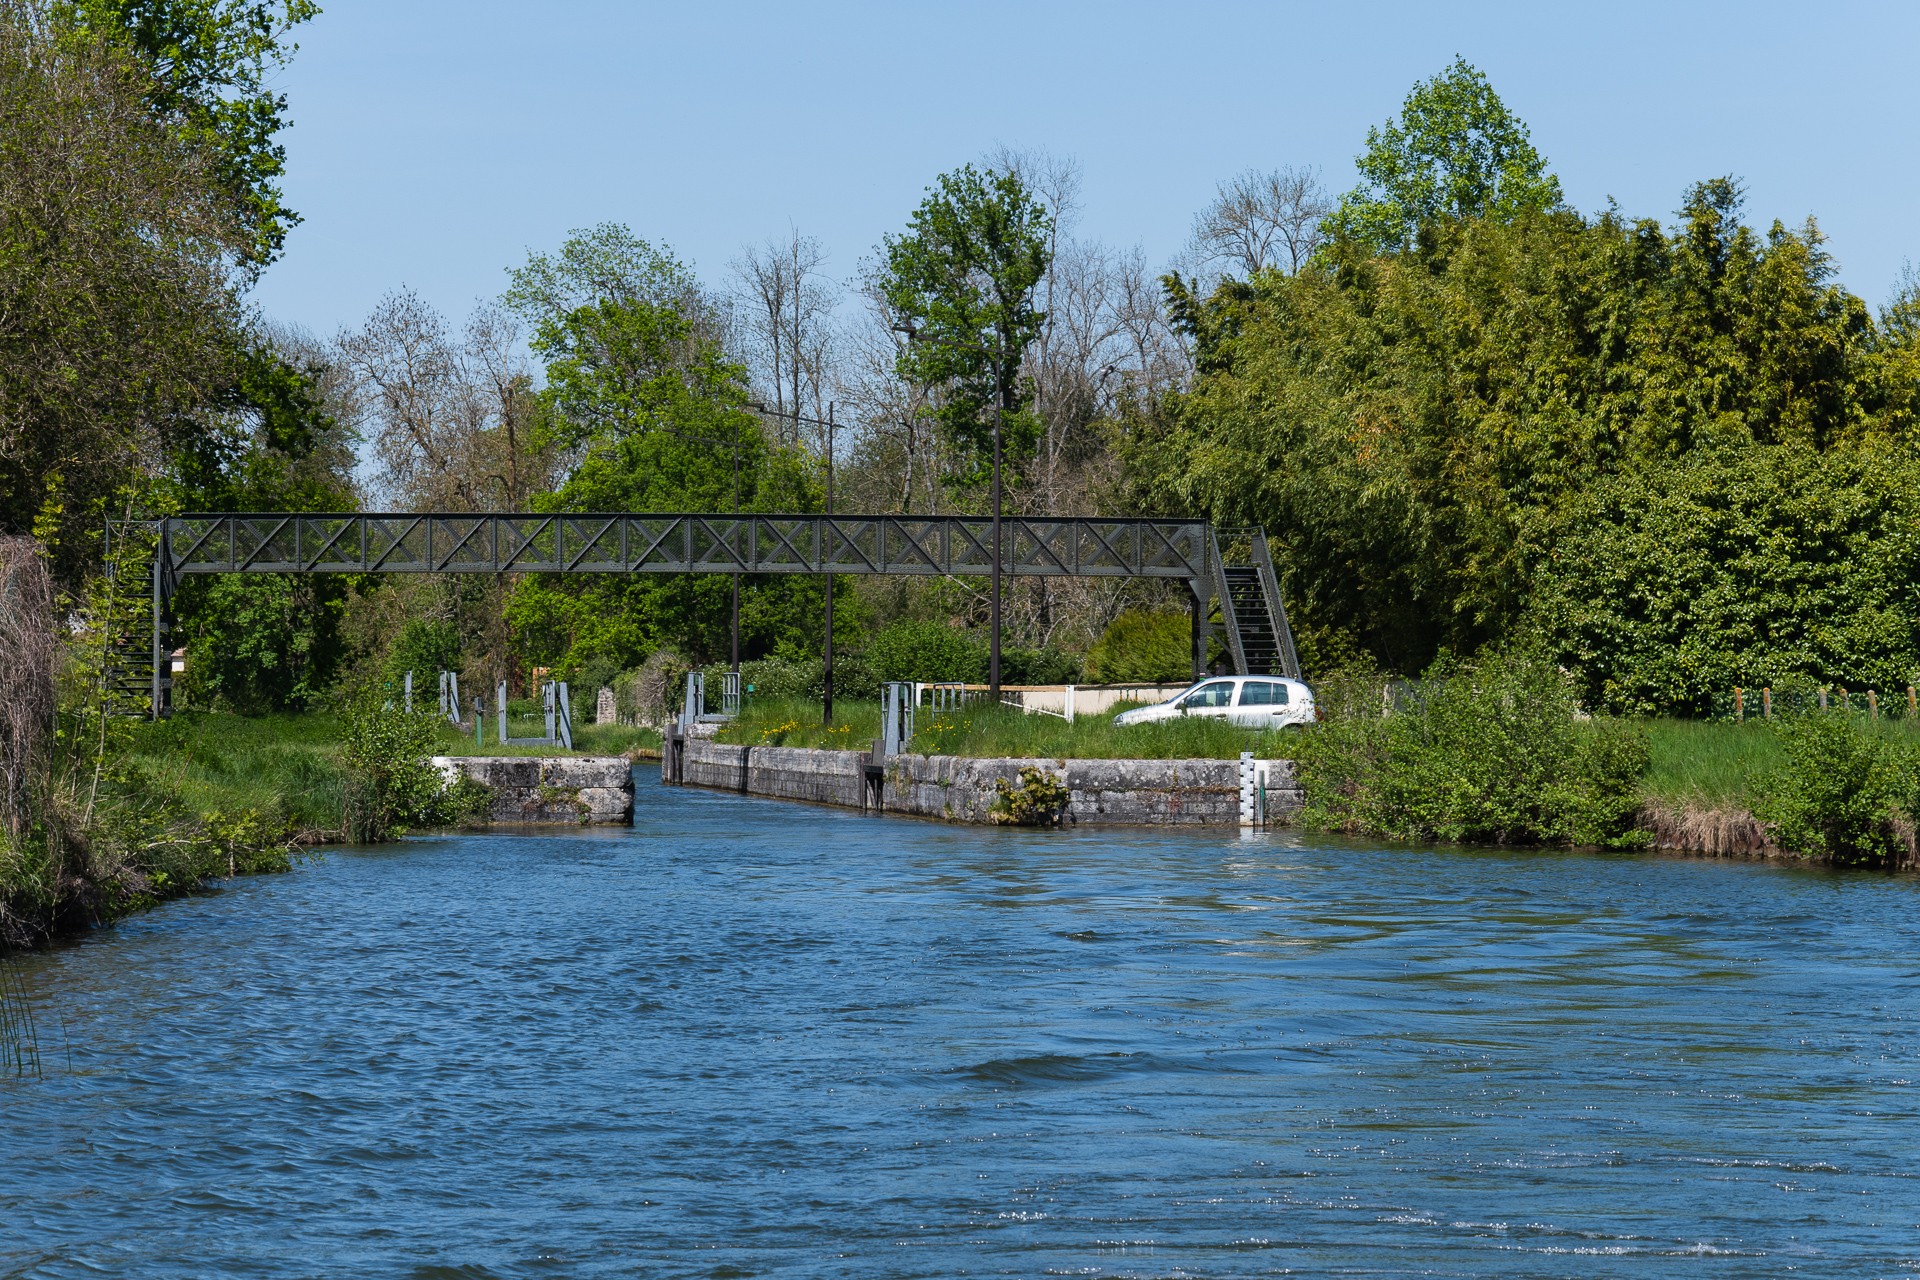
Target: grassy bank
{"points": [[984, 729], [1720, 764], [207, 794]]}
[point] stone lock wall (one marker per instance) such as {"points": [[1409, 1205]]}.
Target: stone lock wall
{"points": [[962, 789], [571, 790]]}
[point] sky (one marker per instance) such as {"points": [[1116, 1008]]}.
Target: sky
{"points": [[434, 144]]}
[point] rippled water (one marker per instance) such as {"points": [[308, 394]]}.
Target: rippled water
{"points": [[749, 1038]]}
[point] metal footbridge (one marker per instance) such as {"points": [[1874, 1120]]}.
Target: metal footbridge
{"points": [[1242, 582]]}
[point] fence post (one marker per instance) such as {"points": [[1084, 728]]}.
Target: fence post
{"points": [[500, 702], [1873, 704], [1739, 704], [1912, 707], [409, 693], [1766, 702], [1823, 697], [1069, 704]]}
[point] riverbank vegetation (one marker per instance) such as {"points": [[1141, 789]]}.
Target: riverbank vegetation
{"points": [[1666, 456]]}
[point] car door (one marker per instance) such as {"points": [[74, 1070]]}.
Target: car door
{"points": [[1214, 698], [1262, 704]]}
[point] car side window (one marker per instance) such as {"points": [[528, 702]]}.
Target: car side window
{"points": [[1263, 693], [1215, 694]]}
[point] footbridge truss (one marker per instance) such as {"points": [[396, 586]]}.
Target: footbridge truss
{"points": [[635, 542]]}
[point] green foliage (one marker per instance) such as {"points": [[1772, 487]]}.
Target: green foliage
{"points": [[1038, 800], [1757, 566], [1488, 754], [115, 255], [1836, 795], [259, 643], [210, 65], [1414, 429], [393, 783], [802, 679], [963, 277], [426, 647], [1455, 152], [639, 383], [927, 650], [1038, 666], [1145, 646]]}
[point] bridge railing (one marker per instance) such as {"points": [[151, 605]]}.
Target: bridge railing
{"points": [[684, 543]]}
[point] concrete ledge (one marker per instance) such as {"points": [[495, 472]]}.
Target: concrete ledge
{"points": [[571, 790], [964, 789]]}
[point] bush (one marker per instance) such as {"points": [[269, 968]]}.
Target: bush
{"points": [[927, 651], [1143, 646], [1039, 666], [1488, 754], [1837, 793], [392, 783]]}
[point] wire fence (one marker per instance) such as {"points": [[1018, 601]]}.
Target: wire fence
{"points": [[1769, 703]]}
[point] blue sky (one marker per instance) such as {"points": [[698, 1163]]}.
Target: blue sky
{"points": [[435, 143]]}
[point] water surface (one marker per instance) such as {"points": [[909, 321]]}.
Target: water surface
{"points": [[751, 1038]]}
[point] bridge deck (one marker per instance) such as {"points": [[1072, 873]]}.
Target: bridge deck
{"points": [[437, 542]]}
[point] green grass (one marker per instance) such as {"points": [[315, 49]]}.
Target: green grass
{"points": [[289, 765], [1716, 764], [982, 729], [215, 763], [588, 739]]}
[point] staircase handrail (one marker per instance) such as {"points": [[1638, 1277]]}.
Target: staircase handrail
{"points": [[1228, 619], [1276, 607]]}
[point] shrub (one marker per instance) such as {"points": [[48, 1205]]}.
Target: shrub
{"points": [[1836, 794], [1487, 754], [927, 651], [392, 783], [1146, 646], [1039, 666], [1040, 799]]}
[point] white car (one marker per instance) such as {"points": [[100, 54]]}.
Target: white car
{"points": [[1258, 702]]}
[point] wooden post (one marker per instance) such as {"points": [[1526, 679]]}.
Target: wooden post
{"points": [[1823, 697], [1873, 704], [1739, 706], [1913, 707], [1766, 702], [1844, 704]]}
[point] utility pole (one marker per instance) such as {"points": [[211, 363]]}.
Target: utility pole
{"points": [[826, 541], [826, 683], [997, 356]]}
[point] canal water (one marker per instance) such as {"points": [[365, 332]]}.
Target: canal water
{"points": [[749, 1038]]}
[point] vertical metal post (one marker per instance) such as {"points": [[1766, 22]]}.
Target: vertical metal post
{"points": [[500, 701], [161, 676], [1199, 593], [826, 683], [993, 660], [736, 545]]}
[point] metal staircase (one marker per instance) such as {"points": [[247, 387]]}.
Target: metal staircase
{"points": [[1251, 612]]}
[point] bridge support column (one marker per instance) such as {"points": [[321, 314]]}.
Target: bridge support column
{"points": [[162, 627], [1202, 631]]}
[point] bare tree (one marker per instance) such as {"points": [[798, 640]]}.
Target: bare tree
{"points": [[1260, 221], [788, 303], [450, 420]]}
